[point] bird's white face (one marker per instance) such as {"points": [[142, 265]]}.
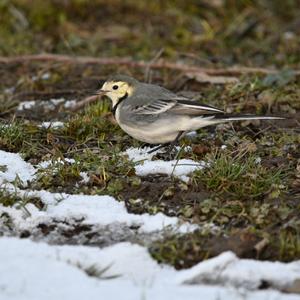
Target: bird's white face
{"points": [[116, 90]]}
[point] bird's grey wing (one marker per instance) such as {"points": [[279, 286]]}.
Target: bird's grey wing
{"points": [[175, 104], [154, 107], [189, 107]]}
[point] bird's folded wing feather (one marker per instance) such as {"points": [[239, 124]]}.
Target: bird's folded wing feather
{"points": [[155, 107], [176, 105]]}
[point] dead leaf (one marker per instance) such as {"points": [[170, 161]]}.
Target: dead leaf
{"points": [[200, 149], [261, 245]]}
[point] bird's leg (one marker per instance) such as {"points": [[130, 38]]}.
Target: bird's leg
{"points": [[158, 147], [145, 145], [169, 154], [173, 144]]}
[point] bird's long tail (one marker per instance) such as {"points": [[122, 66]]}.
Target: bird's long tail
{"points": [[227, 118], [215, 119]]}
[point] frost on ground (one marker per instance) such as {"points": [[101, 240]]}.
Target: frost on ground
{"points": [[126, 270], [32, 269]]}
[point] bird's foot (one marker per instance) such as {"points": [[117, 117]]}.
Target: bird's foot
{"points": [[170, 154], [157, 148], [145, 145]]}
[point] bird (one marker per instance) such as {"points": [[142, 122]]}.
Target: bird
{"points": [[157, 116]]}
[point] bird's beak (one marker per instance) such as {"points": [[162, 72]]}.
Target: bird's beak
{"points": [[101, 92]]}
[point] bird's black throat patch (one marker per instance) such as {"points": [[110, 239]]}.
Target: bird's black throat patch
{"points": [[116, 106]]}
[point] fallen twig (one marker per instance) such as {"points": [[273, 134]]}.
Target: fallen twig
{"points": [[82, 103], [160, 64], [45, 94]]}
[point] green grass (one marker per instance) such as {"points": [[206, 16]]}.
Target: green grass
{"points": [[12, 136], [107, 173], [289, 244], [243, 188], [187, 250], [240, 176], [89, 129], [12, 199]]}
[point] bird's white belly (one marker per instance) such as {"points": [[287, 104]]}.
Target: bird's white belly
{"points": [[163, 130], [151, 134], [159, 132]]}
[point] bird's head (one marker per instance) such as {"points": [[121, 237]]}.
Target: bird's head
{"points": [[117, 87]]}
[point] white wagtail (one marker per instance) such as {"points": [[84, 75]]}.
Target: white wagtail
{"points": [[155, 115]]}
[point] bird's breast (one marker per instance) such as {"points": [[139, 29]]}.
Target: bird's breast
{"points": [[146, 129]]}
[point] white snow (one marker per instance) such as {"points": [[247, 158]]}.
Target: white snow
{"points": [[105, 210], [10, 90], [145, 166], [46, 104], [15, 167], [228, 268], [258, 160], [54, 125], [39, 271], [47, 163], [180, 169], [35, 271], [191, 134], [70, 103], [44, 164], [95, 210], [85, 177], [46, 76], [26, 105], [54, 102]]}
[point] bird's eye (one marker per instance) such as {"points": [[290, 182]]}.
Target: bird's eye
{"points": [[115, 87]]}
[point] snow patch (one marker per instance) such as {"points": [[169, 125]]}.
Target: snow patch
{"points": [[26, 105], [46, 104], [70, 103], [32, 270], [14, 166], [95, 210], [228, 269], [100, 210], [85, 177], [145, 166], [54, 125], [49, 163]]}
